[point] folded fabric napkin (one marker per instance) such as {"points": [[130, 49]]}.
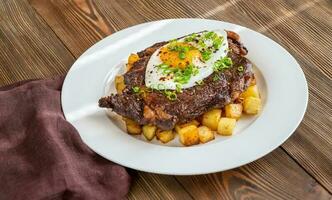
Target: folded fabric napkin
{"points": [[42, 155]]}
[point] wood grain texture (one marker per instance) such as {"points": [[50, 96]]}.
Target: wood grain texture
{"points": [[262, 179], [153, 186], [28, 47], [78, 23], [302, 27]]}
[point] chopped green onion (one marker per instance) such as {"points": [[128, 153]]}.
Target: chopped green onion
{"points": [[162, 66], [209, 35], [216, 77], [185, 49], [190, 38], [182, 55], [222, 64], [240, 68], [178, 88], [200, 82], [206, 55], [228, 61], [217, 42], [136, 89], [171, 95], [161, 87], [201, 43], [184, 75]]}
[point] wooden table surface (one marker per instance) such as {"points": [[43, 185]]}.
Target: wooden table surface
{"points": [[43, 38]]}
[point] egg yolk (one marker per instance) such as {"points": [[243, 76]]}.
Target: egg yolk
{"points": [[178, 58]]}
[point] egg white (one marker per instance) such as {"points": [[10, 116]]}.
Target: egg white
{"points": [[153, 76]]}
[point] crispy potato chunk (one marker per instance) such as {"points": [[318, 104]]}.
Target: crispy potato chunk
{"points": [[233, 111], [165, 136], [226, 126], [252, 105], [131, 60], [119, 84], [179, 126], [252, 91], [149, 131], [189, 135], [205, 134], [211, 119], [132, 127]]}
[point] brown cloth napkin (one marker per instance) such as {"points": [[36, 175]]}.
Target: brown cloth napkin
{"points": [[42, 155]]}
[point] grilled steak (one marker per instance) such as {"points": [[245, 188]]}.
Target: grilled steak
{"points": [[218, 90]]}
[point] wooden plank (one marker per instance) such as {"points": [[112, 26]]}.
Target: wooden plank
{"points": [[154, 186], [258, 15], [79, 24], [28, 47], [262, 179], [304, 29]]}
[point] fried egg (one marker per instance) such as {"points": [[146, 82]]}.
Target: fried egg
{"points": [[185, 62]]}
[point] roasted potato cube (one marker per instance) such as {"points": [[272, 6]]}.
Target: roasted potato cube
{"points": [[131, 60], [252, 91], [252, 105], [233, 110], [179, 126], [205, 134], [149, 131], [119, 84], [165, 136], [189, 135], [226, 126], [211, 119], [132, 127]]}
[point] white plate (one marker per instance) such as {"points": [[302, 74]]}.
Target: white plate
{"points": [[280, 79]]}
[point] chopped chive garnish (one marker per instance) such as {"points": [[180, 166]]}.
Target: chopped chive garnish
{"points": [[136, 89], [216, 77], [182, 55], [206, 55], [171, 95], [240, 68], [222, 64], [209, 35], [178, 88], [200, 82], [161, 87]]}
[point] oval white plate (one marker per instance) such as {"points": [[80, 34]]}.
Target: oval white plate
{"points": [[280, 79]]}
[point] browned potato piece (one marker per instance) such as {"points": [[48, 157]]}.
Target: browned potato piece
{"points": [[132, 127], [226, 126], [189, 135], [119, 84], [252, 105], [165, 136], [131, 60], [149, 131], [233, 111], [179, 126], [211, 119], [205, 134], [252, 91]]}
